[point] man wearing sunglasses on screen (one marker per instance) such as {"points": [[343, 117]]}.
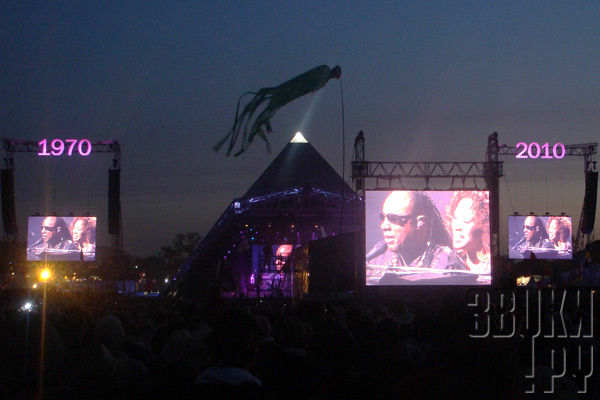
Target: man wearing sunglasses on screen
{"points": [[55, 236], [534, 238], [413, 236]]}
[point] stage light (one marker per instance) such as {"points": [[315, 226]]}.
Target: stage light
{"points": [[34, 286], [27, 306], [166, 280], [45, 274], [298, 138]]}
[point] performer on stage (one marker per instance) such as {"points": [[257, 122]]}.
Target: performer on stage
{"points": [[413, 235], [559, 233], [55, 235], [469, 221], [83, 231]]}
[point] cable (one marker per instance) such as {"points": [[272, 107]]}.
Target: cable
{"points": [[510, 199], [562, 189], [343, 157], [529, 188], [546, 187]]}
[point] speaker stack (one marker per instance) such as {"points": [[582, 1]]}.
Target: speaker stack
{"points": [[588, 214], [114, 201], [9, 218]]}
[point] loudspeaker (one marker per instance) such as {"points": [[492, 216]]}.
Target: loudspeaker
{"points": [[9, 218], [588, 212], [114, 201]]}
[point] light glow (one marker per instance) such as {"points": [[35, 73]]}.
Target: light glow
{"points": [[45, 274], [298, 138]]}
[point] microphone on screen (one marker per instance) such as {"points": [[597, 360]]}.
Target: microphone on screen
{"points": [[35, 244], [378, 249], [523, 239]]}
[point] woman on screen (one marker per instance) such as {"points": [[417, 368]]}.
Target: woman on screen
{"points": [[469, 223], [83, 231], [559, 233]]}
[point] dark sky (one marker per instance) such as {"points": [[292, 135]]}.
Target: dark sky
{"points": [[426, 81]]}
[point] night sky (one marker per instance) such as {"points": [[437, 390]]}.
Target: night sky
{"points": [[425, 81]]}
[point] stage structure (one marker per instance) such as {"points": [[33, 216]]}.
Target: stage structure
{"points": [[58, 147], [453, 175], [585, 231], [298, 198], [477, 176]]}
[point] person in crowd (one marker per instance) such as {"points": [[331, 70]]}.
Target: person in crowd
{"points": [[535, 236], [21, 349], [559, 233], [469, 222], [232, 345], [413, 235], [104, 370], [83, 231], [55, 236]]}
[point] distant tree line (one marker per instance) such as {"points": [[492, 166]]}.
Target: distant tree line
{"points": [[169, 258]]}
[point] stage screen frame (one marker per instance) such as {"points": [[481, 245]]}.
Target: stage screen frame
{"points": [[518, 250], [63, 249], [425, 275]]}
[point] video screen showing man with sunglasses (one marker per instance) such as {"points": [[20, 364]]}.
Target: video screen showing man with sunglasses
{"points": [[414, 235], [534, 238], [54, 239]]}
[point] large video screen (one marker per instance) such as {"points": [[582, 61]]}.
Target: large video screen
{"points": [[546, 237], [427, 238], [61, 238]]}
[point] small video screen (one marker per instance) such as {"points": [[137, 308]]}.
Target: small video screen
{"points": [[271, 269], [542, 237], [427, 238], [52, 238], [271, 258]]}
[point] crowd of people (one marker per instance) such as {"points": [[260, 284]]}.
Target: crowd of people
{"points": [[102, 345]]}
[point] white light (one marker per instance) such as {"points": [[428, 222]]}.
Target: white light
{"points": [[298, 138], [27, 306], [166, 280], [35, 285]]}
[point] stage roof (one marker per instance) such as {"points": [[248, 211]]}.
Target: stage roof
{"points": [[298, 165]]}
